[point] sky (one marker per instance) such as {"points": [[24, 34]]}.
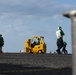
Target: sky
{"points": [[23, 19]]}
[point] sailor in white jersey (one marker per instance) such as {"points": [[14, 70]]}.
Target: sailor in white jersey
{"points": [[59, 34]]}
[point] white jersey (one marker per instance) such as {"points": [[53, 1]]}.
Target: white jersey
{"points": [[58, 34]]}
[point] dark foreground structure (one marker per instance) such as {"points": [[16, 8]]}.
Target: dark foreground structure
{"points": [[35, 64]]}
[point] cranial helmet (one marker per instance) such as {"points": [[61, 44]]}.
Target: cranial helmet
{"points": [[0, 34], [60, 27]]}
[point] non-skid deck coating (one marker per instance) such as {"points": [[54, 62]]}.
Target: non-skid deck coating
{"points": [[36, 64]]}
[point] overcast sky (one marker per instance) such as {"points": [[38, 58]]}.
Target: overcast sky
{"points": [[23, 19]]}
